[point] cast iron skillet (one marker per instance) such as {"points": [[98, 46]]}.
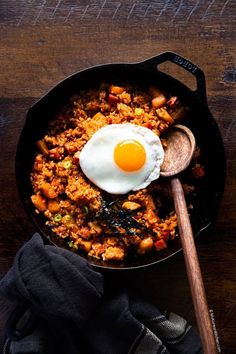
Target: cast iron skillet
{"points": [[146, 73]]}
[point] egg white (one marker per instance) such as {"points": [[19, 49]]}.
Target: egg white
{"points": [[97, 158]]}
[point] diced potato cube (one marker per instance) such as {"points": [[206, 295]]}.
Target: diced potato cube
{"points": [[146, 245], [113, 254], [85, 245], [131, 206], [164, 115], [158, 101], [39, 202], [48, 191], [53, 206], [116, 90]]}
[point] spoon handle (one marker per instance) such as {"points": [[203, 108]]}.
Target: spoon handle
{"points": [[193, 269]]}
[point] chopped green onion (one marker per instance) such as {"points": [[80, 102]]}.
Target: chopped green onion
{"points": [[67, 164], [57, 218], [85, 209], [138, 111], [67, 219], [71, 244]]}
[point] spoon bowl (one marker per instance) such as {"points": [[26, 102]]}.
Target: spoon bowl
{"points": [[179, 151]]}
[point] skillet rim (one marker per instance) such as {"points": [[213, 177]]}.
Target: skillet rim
{"points": [[137, 65]]}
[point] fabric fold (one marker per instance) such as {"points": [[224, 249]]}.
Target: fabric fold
{"points": [[53, 282], [73, 311]]}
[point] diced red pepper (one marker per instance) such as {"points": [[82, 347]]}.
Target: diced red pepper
{"points": [[137, 217], [112, 99], [198, 171], [165, 235], [160, 245], [148, 125], [85, 233], [76, 158]]}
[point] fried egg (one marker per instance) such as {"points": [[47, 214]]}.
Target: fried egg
{"points": [[120, 158]]}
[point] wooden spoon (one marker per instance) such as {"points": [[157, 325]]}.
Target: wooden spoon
{"points": [[178, 154]]}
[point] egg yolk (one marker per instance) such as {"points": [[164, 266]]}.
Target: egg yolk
{"points": [[129, 155]]}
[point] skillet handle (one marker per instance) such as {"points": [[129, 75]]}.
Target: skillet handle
{"points": [[152, 63]]}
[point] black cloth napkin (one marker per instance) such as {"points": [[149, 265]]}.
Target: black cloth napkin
{"points": [[62, 308]]}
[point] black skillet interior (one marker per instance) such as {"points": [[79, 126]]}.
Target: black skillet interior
{"points": [[209, 189]]}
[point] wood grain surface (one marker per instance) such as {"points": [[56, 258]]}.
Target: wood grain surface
{"points": [[43, 41]]}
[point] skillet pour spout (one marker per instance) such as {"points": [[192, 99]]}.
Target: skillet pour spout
{"points": [[144, 74]]}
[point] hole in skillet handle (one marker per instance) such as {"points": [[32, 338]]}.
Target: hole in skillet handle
{"points": [[179, 74], [152, 64]]}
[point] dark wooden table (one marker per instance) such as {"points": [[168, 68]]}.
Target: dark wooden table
{"points": [[46, 40]]}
